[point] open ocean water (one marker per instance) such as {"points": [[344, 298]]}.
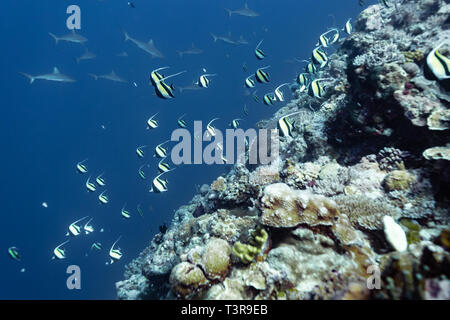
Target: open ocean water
{"points": [[47, 127]]}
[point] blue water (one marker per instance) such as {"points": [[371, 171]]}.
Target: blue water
{"points": [[47, 127]]}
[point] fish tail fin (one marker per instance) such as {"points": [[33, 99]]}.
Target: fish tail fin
{"points": [[29, 76], [127, 37], [93, 76], [214, 36], [54, 37], [229, 12]]}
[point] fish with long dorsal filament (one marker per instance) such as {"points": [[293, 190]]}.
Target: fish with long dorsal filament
{"points": [[70, 37], [59, 252], [115, 253], [87, 55], [203, 81], [141, 172], [245, 11], [74, 228], [163, 90], [249, 82], [110, 76], [159, 185], [56, 75], [316, 89], [278, 93], [210, 129], [438, 64], [125, 213], [348, 28], [90, 185], [192, 50], [319, 57], [269, 99], [262, 76], [100, 180], [152, 123], [303, 81], [148, 47], [88, 228], [103, 198], [163, 166], [181, 122], [14, 253], [140, 151], [81, 167], [285, 126], [161, 152], [259, 53], [96, 246], [155, 75], [235, 123]]}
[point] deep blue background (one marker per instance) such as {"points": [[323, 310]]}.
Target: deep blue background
{"points": [[47, 127]]}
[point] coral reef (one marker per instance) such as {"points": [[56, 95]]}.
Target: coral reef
{"points": [[356, 206]]}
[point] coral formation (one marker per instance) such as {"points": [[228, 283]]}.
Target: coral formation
{"points": [[360, 185]]}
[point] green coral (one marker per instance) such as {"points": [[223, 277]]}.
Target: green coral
{"points": [[413, 230], [398, 180], [413, 56], [248, 252]]}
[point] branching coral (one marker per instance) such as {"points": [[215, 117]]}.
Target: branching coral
{"points": [[248, 252]]}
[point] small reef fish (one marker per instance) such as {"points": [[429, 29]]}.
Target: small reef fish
{"points": [[115, 253], [203, 81], [303, 81], [235, 123], [140, 151], [285, 126], [14, 253], [262, 76], [103, 198], [278, 93], [319, 57], [59, 252], [70, 37], [90, 185], [87, 55], [88, 228], [74, 228], [310, 67], [152, 123], [316, 89], [45, 204], [159, 185], [258, 52], [81, 167], [268, 99], [148, 47], [211, 130], [348, 28], [160, 151], [244, 67], [181, 122], [139, 209], [163, 166], [96, 246], [438, 64], [192, 50], [249, 82], [141, 172], [125, 213], [245, 109], [163, 90], [110, 76], [255, 97], [100, 181], [131, 4], [246, 12], [56, 76]]}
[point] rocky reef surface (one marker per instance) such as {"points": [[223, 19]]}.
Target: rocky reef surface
{"points": [[357, 204]]}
